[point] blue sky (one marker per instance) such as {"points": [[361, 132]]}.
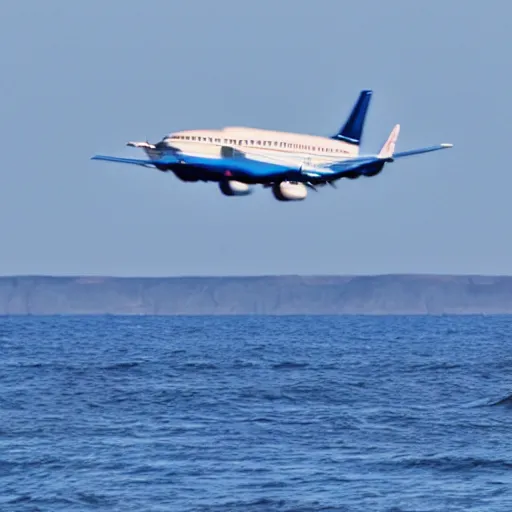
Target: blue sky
{"points": [[80, 78]]}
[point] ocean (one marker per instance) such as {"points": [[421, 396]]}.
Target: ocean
{"points": [[256, 414]]}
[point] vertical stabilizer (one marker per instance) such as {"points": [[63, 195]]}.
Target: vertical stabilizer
{"points": [[352, 131]]}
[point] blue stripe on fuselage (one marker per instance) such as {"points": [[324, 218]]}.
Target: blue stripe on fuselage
{"points": [[243, 166]]}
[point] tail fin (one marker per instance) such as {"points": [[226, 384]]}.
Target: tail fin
{"points": [[388, 149], [352, 130]]}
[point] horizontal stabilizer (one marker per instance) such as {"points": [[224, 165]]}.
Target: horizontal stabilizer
{"points": [[143, 145]]}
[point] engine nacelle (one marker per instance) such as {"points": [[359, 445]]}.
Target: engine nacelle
{"points": [[372, 173], [374, 169], [186, 177], [288, 191], [234, 188]]}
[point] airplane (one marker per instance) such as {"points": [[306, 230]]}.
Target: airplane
{"points": [[289, 163]]}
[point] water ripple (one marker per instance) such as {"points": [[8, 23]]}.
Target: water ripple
{"points": [[255, 414]]}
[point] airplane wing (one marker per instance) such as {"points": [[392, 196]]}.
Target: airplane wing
{"points": [[136, 161], [420, 151], [351, 164], [253, 168], [369, 165], [335, 170]]}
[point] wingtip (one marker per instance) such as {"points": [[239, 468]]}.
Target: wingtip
{"points": [[447, 145]]}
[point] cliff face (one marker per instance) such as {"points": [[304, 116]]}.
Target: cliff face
{"points": [[279, 295]]}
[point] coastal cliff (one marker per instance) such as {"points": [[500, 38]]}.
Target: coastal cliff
{"points": [[277, 295]]}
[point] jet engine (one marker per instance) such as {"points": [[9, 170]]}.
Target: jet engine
{"points": [[234, 188], [372, 173], [289, 191]]}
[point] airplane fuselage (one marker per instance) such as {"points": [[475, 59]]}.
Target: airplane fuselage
{"points": [[274, 144]]}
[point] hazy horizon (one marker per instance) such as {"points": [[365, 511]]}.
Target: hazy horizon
{"points": [[249, 276]]}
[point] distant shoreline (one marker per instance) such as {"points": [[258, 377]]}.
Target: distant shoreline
{"points": [[387, 294]]}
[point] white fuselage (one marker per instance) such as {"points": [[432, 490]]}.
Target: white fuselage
{"points": [[262, 143]]}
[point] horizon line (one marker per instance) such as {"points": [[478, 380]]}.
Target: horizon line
{"points": [[249, 276]]}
